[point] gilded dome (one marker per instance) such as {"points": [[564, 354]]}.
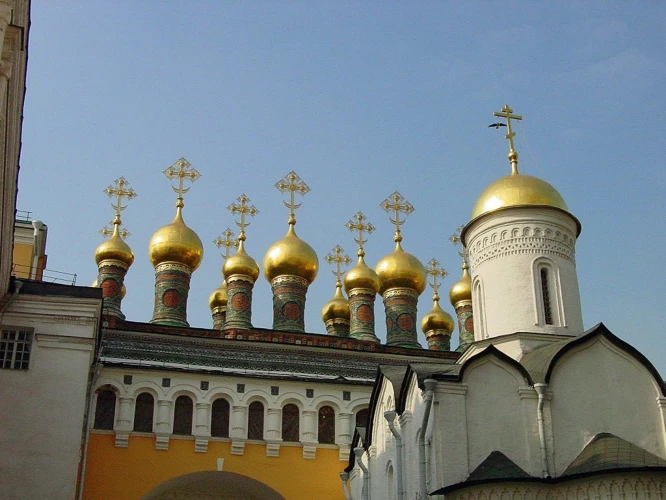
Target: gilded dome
{"points": [[115, 249], [291, 256], [337, 307], [437, 319], [401, 269], [462, 290], [176, 242], [241, 263], [517, 190], [219, 297], [361, 276]]}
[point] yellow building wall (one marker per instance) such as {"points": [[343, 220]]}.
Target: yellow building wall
{"points": [[22, 259], [129, 473]]}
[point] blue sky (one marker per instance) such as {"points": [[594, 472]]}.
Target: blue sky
{"points": [[360, 99]]}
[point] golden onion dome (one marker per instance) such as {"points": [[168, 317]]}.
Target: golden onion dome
{"points": [[219, 297], [361, 276], [241, 263], [337, 307], [517, 190], [291, 256], [123, 291], [176, 242], [437, 319], [401, 269], [114, 249], [462, 290]]}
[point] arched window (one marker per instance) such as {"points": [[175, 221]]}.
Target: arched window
{"points": [[326, 433], [478, 307], [255, 421], [182, 416], [219, 422], [362, 418], [143, 412], [105, 410], [545, 296], [290, 424]]}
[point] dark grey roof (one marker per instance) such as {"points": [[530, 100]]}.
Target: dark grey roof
{"points": [[607, 451], [536, 362], [497, 466]]}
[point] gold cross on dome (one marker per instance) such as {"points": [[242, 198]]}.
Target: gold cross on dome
{"points": [[122, 232], [227, 242], [293, 184], [360, 228], [119, 189], [339, 258], [456, 240], [435, 271], [396, 203], [182, 170], [244, 210], [507, 113]]}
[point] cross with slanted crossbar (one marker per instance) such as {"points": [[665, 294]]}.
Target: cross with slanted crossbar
{"points": [[292, 183], [435, 271], [244, 210], [181, 170], [457, 240], [396, 203], [360, 228], [339, 259], [227, 242], [122, 232], [507, 113]]}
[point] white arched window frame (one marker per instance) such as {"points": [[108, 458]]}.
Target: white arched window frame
{"points": [[547, 293], [479, 310]]}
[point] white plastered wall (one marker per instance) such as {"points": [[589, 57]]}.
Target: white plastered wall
{"points": [[505, 249], [596, 388]]}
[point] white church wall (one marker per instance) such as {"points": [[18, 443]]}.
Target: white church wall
{"points": [[504, 248], [598, 387], [496, 419]]}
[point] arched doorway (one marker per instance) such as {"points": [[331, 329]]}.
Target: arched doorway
{"points": [[213, 485]]}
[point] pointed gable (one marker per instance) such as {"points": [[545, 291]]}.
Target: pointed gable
{"points": [[497, 466]]}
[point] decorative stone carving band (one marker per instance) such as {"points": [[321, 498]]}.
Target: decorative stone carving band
{"points": [[173, 266], [288, 279]]}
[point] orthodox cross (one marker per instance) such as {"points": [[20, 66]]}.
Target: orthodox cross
{"points": [[227, 242], [360, 228], [244, 210], [435, 271], [507, 113], [119, 189], [292, 183], [396, 203], [122, 232], [456, 240], [340, 259], [181, 170]]}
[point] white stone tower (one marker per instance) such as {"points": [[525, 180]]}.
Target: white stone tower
{"points": [[521, 242]]}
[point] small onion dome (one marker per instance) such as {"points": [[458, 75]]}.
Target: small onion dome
{"points": [[400, 269], [361, 276], [291, 256], [337, 307], [517, 190], [241, 263], [437, 319], [219, 297], [114, 248], [462, 290], [176, 242]]}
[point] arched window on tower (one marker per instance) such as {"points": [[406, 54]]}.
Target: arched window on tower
{"points": [[362, 418], [182, 416], [255, 421], [326, 434], [479, 311], [290, 423], [105, 409], [143, 412], [219, 421], [545, 297]]}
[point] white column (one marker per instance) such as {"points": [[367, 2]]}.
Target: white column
{"points": [[309, 429], [238, 422], [344, 428], [273, 430], [124, 422], [201, 426], [163, 416]]}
